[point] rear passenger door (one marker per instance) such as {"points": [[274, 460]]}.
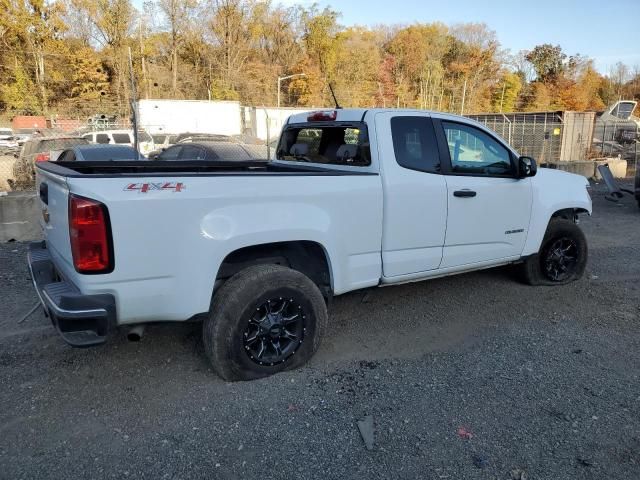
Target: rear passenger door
{"points": [[415, 193]]}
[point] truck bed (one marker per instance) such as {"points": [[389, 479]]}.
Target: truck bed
{"points": [[111, 169]]}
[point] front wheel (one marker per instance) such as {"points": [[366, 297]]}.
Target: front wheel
{"points": [[562, 257], [263, 320]]}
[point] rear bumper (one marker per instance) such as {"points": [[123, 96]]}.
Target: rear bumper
{"points": [[81, 320]]}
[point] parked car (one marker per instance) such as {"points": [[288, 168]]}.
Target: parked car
{"points": [[121, 137], [210, 151], [22, 138], [161, 142], [99, 153], [39, 149], [199, 137], [9, 142], [164, 140], [5, 133], [355, 199]]}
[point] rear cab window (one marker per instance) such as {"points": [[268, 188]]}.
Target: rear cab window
{"points": [[331, 143]]}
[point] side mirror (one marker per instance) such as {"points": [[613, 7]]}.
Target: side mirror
{"points": [[527, 167]]}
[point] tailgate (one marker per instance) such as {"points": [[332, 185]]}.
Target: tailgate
{"points": [[54, 202]]}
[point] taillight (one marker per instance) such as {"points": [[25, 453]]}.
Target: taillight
{"points": [[90, 234], [43, 157], [322, 116]]}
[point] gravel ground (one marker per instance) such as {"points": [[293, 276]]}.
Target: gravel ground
{"points": [[474, 376]]}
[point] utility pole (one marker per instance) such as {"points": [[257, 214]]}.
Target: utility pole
{"points": [[134, 108], [280, 79], [464, 96]]}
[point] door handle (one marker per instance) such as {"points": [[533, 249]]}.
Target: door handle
{"points": [[464, 193]]}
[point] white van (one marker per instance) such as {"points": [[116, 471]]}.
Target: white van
{"points": [[122, 137]]}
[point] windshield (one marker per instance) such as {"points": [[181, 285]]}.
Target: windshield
{"points": [[109, 153], [623, 110]]}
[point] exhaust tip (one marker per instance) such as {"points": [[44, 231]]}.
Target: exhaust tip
{"points": [[135, 334]]}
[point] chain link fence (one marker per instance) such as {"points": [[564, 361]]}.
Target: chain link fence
{"points": [[557, 137]]}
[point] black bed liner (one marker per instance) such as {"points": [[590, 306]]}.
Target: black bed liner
{"points": [[112, 169]]}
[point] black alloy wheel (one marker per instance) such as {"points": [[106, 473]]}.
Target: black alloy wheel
{"points": [[275, 331], [560, 259]]}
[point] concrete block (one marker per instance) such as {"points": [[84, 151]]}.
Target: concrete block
{"points": [[19, 217], [6, 171], [617, 166]]}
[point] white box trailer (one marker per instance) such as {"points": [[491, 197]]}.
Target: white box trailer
{"points": [[195, 116], [266, 123]]}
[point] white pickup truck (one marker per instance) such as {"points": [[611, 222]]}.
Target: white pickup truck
{"points": [[354, 199]]}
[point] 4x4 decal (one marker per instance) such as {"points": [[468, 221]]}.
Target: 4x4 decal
{"points": [[145, 187]]}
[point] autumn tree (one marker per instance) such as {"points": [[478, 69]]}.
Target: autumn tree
{"points": [[178, 18], [71, 57], [506, 92]]}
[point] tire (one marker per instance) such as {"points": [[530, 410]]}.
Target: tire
{"points": [[244, 329], [562, 235]]}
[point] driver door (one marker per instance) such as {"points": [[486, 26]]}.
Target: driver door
{"points": [[489, 208]]}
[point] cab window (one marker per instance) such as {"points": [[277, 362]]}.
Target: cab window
{"points": [[475, 152]]}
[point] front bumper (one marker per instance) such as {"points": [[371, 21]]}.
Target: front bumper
{"points": [[81, 320]]}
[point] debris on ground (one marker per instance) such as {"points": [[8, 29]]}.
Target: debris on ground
{"points": [[480, 460], [464, 433], [518, 474], [366, 431], [585, 462]]}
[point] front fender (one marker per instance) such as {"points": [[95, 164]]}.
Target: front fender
{"points": [[553, 190]]}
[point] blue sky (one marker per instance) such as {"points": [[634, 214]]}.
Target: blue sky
{"points": [[605, 30]]}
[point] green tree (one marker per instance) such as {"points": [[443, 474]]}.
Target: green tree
{"points": [[18, 95], [506, 92], [320, 30], [548, 61]]}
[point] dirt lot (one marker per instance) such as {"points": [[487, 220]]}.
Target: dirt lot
{"points": [[475, 376]]}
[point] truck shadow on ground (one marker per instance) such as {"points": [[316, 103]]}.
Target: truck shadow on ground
{"points": [[404, 321]]}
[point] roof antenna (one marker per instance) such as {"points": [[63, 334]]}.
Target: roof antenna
{"points": [[335, 100]]}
